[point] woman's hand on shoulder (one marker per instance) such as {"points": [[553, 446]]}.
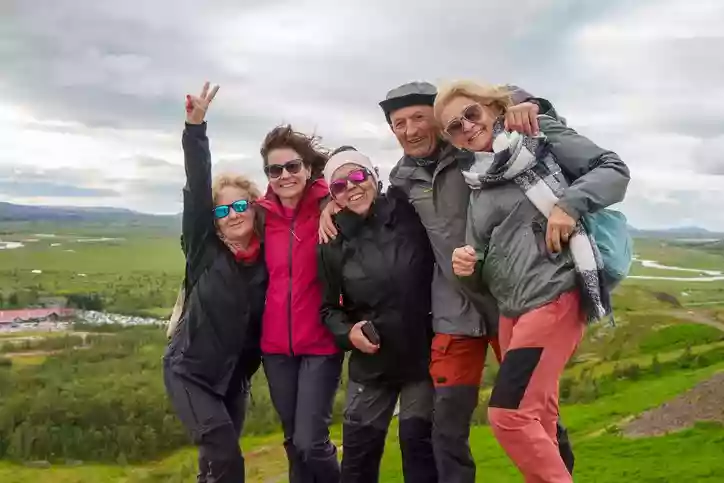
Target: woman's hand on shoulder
{"points": [[523, 118], [463, 261], [196, 106], [327, 228]]}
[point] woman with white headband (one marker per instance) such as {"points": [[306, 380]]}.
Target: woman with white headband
{"points": [[376, 277]]}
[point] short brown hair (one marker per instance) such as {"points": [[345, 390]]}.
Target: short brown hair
{"points": [[314, 156], [238, 181], [497, 97]]}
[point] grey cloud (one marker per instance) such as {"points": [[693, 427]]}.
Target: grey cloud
{"points": [[111, 67], [682, 207], [147, 161], [159, 179], [29, 188], [709, 156], [63, 176], [154, 189]]}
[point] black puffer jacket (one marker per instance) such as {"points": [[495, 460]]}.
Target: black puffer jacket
{"points": [[382, 266], [221, 325]]}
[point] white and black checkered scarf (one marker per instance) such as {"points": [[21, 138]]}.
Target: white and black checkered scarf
{"points": [[520, 159]]}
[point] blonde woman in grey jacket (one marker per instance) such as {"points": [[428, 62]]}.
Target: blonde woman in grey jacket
{"points": [[528, 246]]}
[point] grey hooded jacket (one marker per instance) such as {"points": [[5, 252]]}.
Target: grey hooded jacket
{"points": [[509, 232]]}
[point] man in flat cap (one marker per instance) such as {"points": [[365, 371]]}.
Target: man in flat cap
{"points": [[465, 323]]}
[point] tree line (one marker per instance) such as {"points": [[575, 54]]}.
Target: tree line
{"points": [[107, 402], [104, 403]]}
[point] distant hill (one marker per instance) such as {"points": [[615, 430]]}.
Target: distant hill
{"points": [[679, 233], [12, 215]]}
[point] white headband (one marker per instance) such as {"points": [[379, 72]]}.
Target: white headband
{"points": [[348, 157]]}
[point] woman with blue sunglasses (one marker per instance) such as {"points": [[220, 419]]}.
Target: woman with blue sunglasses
{"points": [[214, 349]]}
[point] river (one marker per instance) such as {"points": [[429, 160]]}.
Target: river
{"points": [[705, 275]]}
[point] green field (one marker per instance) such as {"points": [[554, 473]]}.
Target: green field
{"points": [[669, 335], [602, 456], [132, 273]]}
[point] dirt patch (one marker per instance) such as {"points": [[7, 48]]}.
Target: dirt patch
{"points": [[702, 403]]}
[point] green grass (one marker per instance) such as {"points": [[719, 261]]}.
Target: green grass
{"points": [[133, 275], [679, 336], [31, 333], [26, 361], [143, 273], [696, 292], [632, 397], [157, 312], [599, 368], [692, 455], [689, 456], [119, 256], [671, 254]]}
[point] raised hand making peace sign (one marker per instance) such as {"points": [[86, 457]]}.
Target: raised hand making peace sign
{"points": [[196, 107]]}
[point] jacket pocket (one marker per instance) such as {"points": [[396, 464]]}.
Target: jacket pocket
{"points": [[438, 358], [351, 408], [205, 355]]}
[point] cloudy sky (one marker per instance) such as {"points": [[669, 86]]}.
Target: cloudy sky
{"points": [[92, 91]]}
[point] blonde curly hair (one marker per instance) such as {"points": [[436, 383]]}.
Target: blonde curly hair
{"points": [[236, 180], [497, 97]]}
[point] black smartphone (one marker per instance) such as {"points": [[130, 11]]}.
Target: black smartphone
{"points": [[371, 333]]}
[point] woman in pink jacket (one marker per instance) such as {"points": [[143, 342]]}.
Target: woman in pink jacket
{"points": [[301, 361]]}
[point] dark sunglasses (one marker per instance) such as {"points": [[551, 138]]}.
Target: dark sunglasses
{"points": [[275, 170], [472, 113], [356, 177], [222, 211]]}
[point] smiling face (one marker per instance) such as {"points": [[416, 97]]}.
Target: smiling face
{"points": [[235, 227], [289, 187], [416, 130], [358, 195], [468, 124]]}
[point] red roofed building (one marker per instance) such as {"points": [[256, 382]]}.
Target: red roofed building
{"points": [[31, 315]]}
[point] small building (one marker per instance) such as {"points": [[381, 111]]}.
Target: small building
{"points": [[21, 316]]}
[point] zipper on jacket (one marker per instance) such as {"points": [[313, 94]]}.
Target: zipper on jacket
{"points": [[292, 236]]}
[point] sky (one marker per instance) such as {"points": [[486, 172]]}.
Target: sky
{"points": [[92, 91]]}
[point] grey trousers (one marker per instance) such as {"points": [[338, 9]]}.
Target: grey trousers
{"points": [[302, 390], [215, 424], [367, 417]]}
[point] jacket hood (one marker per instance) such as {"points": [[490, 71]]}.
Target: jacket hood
{"points": [[314, 192]]}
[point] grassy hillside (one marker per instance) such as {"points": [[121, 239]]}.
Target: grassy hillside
{"points": [[603, 455], [669, 335], [132, 272]]}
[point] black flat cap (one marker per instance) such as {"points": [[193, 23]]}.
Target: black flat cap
{"points": [[410, 94]]}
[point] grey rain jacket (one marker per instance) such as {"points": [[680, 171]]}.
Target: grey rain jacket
{"points": [[509, 232]]}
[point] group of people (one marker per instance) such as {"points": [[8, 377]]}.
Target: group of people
{"points": [[474, 245]]}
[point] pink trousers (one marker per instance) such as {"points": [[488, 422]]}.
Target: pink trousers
{"points": [[523, 406]]}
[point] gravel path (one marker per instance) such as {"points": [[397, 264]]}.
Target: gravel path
{"points": [[702, 403]]}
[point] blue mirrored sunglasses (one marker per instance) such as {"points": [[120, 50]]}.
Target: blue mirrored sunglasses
{"points": [[222, 211]]}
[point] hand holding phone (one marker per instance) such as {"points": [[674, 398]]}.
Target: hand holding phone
{"points": [[360, 340], [369, 330]]}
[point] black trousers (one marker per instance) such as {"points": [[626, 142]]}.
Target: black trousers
{"points": [[215, 424], [302, 389], [367, 416]]}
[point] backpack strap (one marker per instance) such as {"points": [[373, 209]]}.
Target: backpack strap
{"points": [[190, 279]]}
